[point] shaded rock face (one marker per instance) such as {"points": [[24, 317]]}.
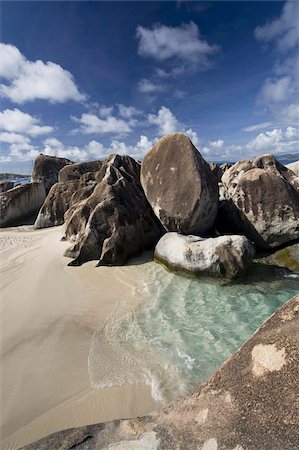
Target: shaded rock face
{"points": [[56, 204], [6, 185], [218, 171], [73, 172], [21, 202], [224, 256], [294, 167], [115, 221], [260, 198], [180, 186], [46, 169], [248, 404]]}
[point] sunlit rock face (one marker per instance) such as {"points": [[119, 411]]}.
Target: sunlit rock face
{"points": [[224, 256], [21, 202], [115, 221], [180, 185], [294, 167], [260, 199], [46, 169]]}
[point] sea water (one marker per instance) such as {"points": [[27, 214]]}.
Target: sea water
{"points": [[180, 330]]}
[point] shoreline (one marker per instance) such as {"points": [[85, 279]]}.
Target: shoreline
{"points": [[49, 314]]}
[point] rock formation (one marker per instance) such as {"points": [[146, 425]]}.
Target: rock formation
{"points": [[179, 185], [6, 185], [260, 199], [294, 167], [21, 202], [115, 221], [46, 169], [287, 258], [56, 204], [73, 172], [224, 256], [218, 171], [248, 404]]}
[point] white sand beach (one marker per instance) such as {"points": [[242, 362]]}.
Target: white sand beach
{"points": [[49, 313]]}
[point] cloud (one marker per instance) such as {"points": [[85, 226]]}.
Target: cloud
{"points": [[184, 43], [258, 126], [127, 111], [165, 120], [30, 80], [284, 30], [16, 121], [193, 136], [216, 144], [148, 87], [92, 124], [13, 138]]}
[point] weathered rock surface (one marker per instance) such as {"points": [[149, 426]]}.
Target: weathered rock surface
{"points": [[294, 167], [46, 169], [73, 172], [56, 204], [6, 185], [224, 256], [260, 200], [218, 171], [21, 202], [180, 186], [248, 404], [115, 221], [287, 258]]}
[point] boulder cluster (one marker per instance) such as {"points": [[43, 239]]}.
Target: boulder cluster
{"points": [[209, 218]]}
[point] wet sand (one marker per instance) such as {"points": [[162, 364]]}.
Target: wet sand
{"points": [[49, 313]]}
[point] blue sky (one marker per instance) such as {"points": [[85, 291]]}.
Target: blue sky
{"points": [[85, 79]]}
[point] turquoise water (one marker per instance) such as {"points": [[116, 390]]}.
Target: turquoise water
{"points": [[183, 329]]}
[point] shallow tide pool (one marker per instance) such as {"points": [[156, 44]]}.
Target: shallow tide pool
{"points": [[181, 329]]}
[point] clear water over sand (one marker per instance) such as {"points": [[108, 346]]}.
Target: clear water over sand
{"points": [[184, 328]]}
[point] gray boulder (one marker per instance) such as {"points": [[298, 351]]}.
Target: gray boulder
{"points": [[180, 186], [115, 221], [6, 185], [260, 199], [21, 202], [46, 169], [294, 167], [223, 256], [73, 172], [287, 257], [56, 204]]}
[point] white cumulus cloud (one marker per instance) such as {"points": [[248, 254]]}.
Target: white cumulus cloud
{"points": [[92, 124], [165, 120], [16, 121], [30, 80], [148, 87]]}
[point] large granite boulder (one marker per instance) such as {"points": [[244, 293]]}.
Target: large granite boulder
{"points": [[218, 171], [250, 403], [6, 185], [73, 172], [115, 221], [223, 256], [46, 169], [294, 167], [180, 186], [260, 198], [56, 204], [287, 258], [21, 202]]}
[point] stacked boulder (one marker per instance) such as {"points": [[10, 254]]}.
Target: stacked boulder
{"points": [[46, 169], [260, 198]]}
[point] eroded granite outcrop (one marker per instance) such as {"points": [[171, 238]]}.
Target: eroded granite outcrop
{"points": [[248, 404], [72, 172], [46, 169], [6, 185], [180, 186], [21, 202], [223, 256]]}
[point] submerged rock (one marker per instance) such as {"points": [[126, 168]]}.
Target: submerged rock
{"points": [[248, 404], [115, 221], [73, 172], [180, 186], [46, 169], [260, 200], [224, 256], [6, 185], [21, 202], [56, 204], [287, 258]]}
